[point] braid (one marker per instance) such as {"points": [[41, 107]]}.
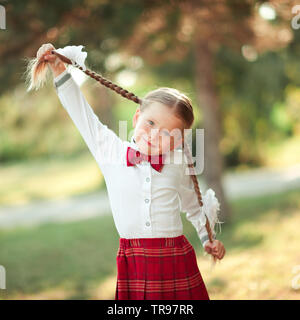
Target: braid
{"points": [[196, 186], [124, 93]]}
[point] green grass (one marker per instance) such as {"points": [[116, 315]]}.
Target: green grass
{"points": [[27, 181], [78, 260], [262, 247], [74, 256]]}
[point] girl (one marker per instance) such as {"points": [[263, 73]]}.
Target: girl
{"points": [[147, 186]]}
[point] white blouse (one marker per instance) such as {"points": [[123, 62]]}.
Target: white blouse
{"points": [[145, 203]]}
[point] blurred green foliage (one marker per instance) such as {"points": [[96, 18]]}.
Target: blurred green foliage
{"points": [[73, 260], [259, 99]]}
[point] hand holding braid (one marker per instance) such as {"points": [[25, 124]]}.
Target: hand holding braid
{"points": [[47, 54]]}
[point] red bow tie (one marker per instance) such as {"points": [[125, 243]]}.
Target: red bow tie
{"points": [[134, 156]]}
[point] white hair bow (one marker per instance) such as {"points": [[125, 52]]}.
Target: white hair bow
{"points": [[75, 54], [210, 208]]}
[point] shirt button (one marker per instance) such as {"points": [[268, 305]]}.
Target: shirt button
{"points": [[146, 200], [147, 179], [147, 223]]}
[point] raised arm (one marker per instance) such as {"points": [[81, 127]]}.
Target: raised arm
{"points": [[79, 110], [102, 142]]}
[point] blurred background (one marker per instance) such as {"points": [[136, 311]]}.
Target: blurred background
{"points": [[239, 63]]}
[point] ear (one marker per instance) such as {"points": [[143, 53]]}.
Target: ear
{"points": [[136, 116]]}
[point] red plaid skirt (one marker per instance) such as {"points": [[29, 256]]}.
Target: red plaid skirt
{"points": [[158, 269]]}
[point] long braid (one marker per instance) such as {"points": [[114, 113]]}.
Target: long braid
{"points": [[191, 167], [196, 187], [124, 93]]}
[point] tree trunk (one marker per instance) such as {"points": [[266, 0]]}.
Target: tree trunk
{"points": [[207, 96]]}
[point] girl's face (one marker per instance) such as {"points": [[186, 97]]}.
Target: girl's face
{"points": [[157, 129]]}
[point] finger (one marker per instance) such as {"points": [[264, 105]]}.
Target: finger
{"points": [[42, 54], [208, 250], [48, 47], [222, 254], [215, 256], [57, 61], [215, 247], [43, 49], [216, 253], [213, 253], [218, 256], [219, 247], [50, 57], [208, 245], [53, 60]]}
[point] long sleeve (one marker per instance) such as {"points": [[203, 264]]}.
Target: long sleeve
{"points": [[102, 142], [190, 205]]}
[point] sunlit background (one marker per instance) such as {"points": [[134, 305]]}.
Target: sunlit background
{"points": [[237, 61]]}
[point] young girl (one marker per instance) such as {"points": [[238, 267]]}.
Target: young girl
{"points": [[147, 186]]}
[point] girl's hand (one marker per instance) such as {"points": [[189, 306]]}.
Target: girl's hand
{"points": [[215, 248], [55, 64]]}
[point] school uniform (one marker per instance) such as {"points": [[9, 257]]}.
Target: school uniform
{"points": [[154, 260]]}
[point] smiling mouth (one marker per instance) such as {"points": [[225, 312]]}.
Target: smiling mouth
{"points": [[149, 144]]}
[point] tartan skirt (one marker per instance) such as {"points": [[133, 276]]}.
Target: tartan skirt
{"points": [[158, 269]]}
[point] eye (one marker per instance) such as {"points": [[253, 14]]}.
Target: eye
{"points": [[151, 122]]}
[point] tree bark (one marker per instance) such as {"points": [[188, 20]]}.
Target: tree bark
{"points": [[209, 104]]}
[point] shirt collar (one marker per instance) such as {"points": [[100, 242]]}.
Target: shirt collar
{"points": [[132, 140], [135, 146]]}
